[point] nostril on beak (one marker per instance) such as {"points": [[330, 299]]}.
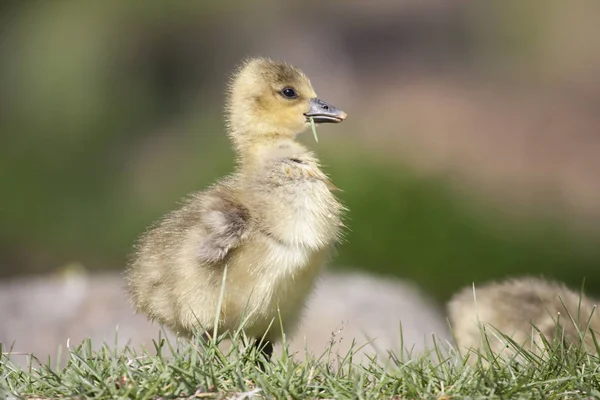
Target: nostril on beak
{"points": [[325, 107]]}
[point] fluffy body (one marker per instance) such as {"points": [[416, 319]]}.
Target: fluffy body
{"points": [[513, 305], [272, 223]]}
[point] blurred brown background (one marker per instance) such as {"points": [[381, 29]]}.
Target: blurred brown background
{"points": [[471, 151]]}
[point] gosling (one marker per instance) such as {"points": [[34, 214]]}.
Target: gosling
{"points": [[264, 232], [514, 306]]}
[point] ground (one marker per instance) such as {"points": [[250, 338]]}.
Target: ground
{"points": [[200, 370]]}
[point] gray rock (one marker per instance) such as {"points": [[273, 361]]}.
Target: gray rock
{"points": [[377, 312], [40, 314]]}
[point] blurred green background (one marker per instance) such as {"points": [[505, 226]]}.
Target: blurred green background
{"points": [[471, 151]]}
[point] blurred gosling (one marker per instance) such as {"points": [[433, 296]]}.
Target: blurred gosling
{"points": [[268, 228], [513, 305]]}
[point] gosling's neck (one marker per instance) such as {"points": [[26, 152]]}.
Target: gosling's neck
{"points": [[253, 150]]}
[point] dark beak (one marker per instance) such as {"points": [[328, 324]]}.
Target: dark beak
{"points": [[322, 112]]}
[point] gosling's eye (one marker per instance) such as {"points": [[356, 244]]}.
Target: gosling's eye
{"points": [[289, 93]]}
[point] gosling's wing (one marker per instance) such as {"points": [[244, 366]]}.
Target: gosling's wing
{"points": [[226, 224]]}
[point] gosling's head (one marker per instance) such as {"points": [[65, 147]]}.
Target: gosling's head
{"points": [[270, 99]]}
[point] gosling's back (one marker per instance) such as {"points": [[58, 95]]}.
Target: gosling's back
{"points": [[512, 306]]}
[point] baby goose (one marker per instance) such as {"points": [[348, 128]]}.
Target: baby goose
{"points": [[271, 224], [512, 306]]}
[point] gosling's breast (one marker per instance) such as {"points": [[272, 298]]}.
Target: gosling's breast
{"points": [[277, 278], [297, 207]]}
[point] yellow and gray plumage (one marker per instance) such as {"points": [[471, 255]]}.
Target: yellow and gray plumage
{"points": [[514, 306], [272, 223]]}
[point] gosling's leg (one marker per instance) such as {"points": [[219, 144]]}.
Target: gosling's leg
{"points": [[266, 348]]}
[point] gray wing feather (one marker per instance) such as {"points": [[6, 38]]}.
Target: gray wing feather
{"points": [[226, 223]]}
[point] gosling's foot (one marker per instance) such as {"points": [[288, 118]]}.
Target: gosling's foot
{"points": [[266, 349]]}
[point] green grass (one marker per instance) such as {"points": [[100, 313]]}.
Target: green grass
{"points": [[200, 370]]}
